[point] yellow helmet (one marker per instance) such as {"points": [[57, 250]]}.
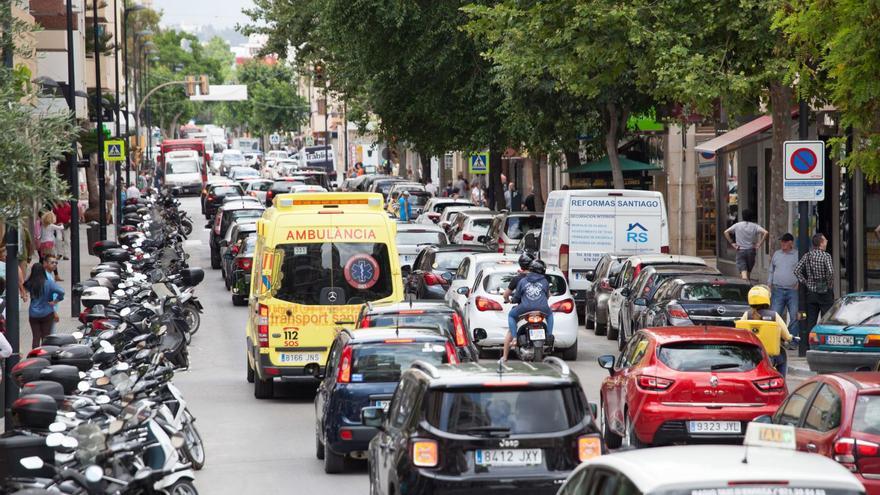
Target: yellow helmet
{"points": [[759, 295]]}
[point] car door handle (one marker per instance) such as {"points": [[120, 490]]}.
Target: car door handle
{"points": [[811, 447]]}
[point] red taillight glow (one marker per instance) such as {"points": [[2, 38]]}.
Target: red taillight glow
{"points": [[365, 322], [460, 335], [451, 357], [343, 375], [245, 263], [676, 311], [345, 434], [563, 259], [500, 244], [431, 279], [655, 383], [664, 249], [467, 237], [565, 306], [263, 325], [486, 304], [814, 339], [848, 450], [769, 384]]}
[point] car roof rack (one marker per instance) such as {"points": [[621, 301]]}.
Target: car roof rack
{"points": [[555, 361], [428, 368]]}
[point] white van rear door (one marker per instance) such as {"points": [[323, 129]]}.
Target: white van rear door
{"points": [[638, 225]]}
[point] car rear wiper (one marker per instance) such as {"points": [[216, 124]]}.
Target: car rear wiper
{"points": [[488, 430], [846, 328], [724, 366]]}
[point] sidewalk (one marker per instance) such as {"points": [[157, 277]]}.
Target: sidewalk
{"points": [[798, 366]]}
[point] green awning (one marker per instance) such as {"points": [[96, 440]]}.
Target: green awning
{"points": [[604, 166]]}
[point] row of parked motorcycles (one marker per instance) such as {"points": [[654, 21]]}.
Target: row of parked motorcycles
{"points": [[98, 412]]}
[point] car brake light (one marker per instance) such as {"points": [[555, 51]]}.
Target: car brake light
{"points": [[451, 357], [500, 244], [431, 279], [365, 322], [648, 382], [563, 259], [263, 325], [872, 341], [467, 237], [343, 375], [425, 453], [814, 339], [636, 271], [565, 306], [486, 304], [245, 263], [460, 335], [768, 384], [234, 249], [676, 311], [664, 249], [848, 450], [399, 341], [589, 447], [345, 434]]}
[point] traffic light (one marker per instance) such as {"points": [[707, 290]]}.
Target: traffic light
{"points": [[203, 84], [190, 86]]}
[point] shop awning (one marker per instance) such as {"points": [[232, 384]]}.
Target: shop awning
{"points": [[604, 166], [732, 140]]}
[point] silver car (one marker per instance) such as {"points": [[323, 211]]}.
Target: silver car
{"points": [[411, 238]]}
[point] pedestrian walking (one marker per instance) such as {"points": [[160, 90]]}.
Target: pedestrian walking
{"points": [[430, 187], [45, 295], [449, 191], [48, 231], [477, 196], [783, 283], [461, 185], [512, 198], [529, 202], [63, 213], [403, 207], [816, 272], [747, 237]]}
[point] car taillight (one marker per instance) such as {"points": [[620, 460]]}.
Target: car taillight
{"points": [[636, 271], [234, 249], [343, 375], [467, 237], [676, 311], [263, 325], [589, 447], [425, 453], [451, 357], [648, 382], [245, 263], [814, 339], [664, 249], [872, 341], [486, 304], [769, 384], [460, 335], [564, 306], [365, 322], [435, 217], [563, 259], [431, 279], [500, 244], [848, 450]]}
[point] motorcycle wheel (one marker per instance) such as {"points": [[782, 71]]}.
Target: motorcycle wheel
{"points": [[193, 318], [182, 487], [538, 351], [187, 228], [193, 447]]}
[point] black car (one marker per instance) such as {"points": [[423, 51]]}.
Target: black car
{"points": [[434, 267], [231, 245], [281, 186], [363, 369], [214, 195], [641, 295], [599, 288], [698, 300], [241, 271], [229, 213], [517, 428], [436, 313]]}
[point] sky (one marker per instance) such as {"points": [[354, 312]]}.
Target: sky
{"points": [[218, 13]]}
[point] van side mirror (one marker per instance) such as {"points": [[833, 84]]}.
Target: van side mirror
{"points": [[607, 361], [590, 274], [373, 416]]}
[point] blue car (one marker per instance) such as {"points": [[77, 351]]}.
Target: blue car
{"points": [[848, 336], [362, 371]]}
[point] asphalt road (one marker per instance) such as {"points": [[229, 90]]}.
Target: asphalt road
{"points": [[268, 446]]}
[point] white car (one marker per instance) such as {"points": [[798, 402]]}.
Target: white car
{"points": [[435, 206], [449, 213], [471, 228], [276, 155], [467, 272], [257, 188], [485, 308], [411, 238]]}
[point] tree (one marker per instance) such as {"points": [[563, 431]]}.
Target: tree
{"points": [[273, 104]]}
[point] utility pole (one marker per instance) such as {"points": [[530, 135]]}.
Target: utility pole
{"points": [[99, 127], [12, 324], [803, 232], [72, 170]]}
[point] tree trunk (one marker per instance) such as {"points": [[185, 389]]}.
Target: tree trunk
{"points": [[92, 212], [173, 125], [537, 188], [614, 116], [425, 171], [781, 101], [495, 191]]}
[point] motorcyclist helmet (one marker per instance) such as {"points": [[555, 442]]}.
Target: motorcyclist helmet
{"points": [[538, 266], [759, 295], [525, 261]]}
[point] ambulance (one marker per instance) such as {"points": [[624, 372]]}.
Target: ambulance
{"points": [[319, 258]]}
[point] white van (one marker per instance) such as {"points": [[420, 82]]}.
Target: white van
{"points": [[582, 225]]}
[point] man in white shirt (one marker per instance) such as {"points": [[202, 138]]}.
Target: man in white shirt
{"points": [[132, 192]]}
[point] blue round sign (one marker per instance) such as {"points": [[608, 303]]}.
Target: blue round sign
{"points": [[803, 160]]}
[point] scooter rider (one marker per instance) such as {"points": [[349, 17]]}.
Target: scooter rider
{"points": [[524, 262], [532, 292], [759, 300]]}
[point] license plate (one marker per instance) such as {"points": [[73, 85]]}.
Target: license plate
{"points": [[508, 457], [299, 357], [382, 403], [722, 427], [840, 340], [536, 334]]}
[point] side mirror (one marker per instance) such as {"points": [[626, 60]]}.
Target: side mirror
{"points": [[373, 416], [640, 301], [480, 334], [482, 239], [607, 361], [590, 274], [625, 292], [463, 291], [405, 270], [447, 276], [594, 408]]}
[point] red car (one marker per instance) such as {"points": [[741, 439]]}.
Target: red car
{"points": [[687, 385], [838, 416]]}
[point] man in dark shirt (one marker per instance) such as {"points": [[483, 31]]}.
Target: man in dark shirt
{"points": [[815, 271]]}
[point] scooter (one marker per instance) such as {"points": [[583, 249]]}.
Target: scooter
{"points": [[532, 338]]}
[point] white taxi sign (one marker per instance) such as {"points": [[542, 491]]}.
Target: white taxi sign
{"points": [[770, 435]]}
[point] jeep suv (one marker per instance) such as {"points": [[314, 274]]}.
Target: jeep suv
{"points": [[511, 428]]}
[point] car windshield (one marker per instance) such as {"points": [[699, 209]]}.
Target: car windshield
{"points": [[854, 310], [518, 226], [283, 187], [225, 190], [715, 292], [710, 356], [513, 412], [250, 244], [411, 318], [448, 260], [383, 361], [415, 237], [319, 273], [496, 283], [866, 418], [182, 167]]}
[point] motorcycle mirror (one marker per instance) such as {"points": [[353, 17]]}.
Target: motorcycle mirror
{"points": [[31, 463], [114, 301], [54, 439], [125, 312], [122, 367], [69, 443], [77, 335], [115, 426], [83, 386], [122, 326], [103, 381], [146, 256], [177, 440], [57, 427], [82, 374], [94, 473], [95, 374], [102, 399]]}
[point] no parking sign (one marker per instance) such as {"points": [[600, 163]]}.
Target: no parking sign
{"points": [[804, 171]]}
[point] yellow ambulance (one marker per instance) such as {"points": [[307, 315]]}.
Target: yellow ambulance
{"points": [[319, 258]]}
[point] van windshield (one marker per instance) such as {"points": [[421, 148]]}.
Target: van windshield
{"points": [[332, 273], [182, 167]]}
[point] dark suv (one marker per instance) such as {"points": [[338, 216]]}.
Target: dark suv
{"points": [[230, 212], [214, 195], [520, 428], [363, 369]]}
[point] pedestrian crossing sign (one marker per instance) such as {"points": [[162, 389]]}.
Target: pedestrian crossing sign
{"points": [[479, 163], [114, 150]]}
